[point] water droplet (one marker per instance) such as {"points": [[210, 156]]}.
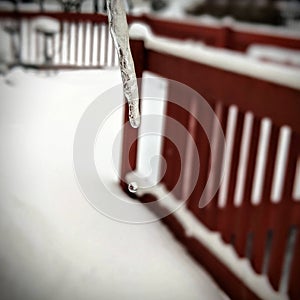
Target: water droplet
{"points": [[132, 187]]}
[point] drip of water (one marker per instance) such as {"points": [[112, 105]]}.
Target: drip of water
{"points": [[119, 32], [133, 187]]}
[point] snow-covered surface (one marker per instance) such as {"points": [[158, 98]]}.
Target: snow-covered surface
{"points": [[275, 54], [220, 58], [30, 7], [54, 245], [176, 11], [213, 241], [6, 6], [47, 24]]}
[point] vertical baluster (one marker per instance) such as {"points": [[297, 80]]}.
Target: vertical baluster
{"points": [[174, 144], [261, 227], [99, 44], [68, 42], [92, 43], [106, 45], [83, 43], [247, 213], [29, 40], [61, 36], [203, 149], [211, 211], [282, 216], [227, 217], [76, 41], [53, 45], [37, 48]]}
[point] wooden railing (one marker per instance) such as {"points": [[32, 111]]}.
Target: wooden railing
{"points": [[265, 232], [262, 231], [83, 40]]}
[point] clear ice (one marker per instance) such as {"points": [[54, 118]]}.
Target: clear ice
{"points": [[119, 32], [132, 187]]}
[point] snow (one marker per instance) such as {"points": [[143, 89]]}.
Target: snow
{"points": [[213, 241], [220, 58], [6, 6], [176, 11], [275, 54], [54, 245], [47, 24]]}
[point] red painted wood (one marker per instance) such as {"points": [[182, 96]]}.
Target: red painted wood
{"points": [[226, 223], [203, 149], [224, 37], [246, 212], [62, 16], [261, 225], [248, 94], [282, 221], [174, 143], [211, 212], [232, 88], [230, 283], [294, 287], [240, 40]]}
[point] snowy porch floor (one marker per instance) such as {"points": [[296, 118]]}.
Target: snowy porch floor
{"points": [[54, 244]]}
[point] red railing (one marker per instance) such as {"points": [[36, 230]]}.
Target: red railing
{"points": [[260, 232], [82, 41], [95, 47], [267, 233]]}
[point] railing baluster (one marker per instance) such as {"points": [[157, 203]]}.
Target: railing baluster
{"points": [[261, 227], [92, 42], [281, 216], [246, 212], [212, 211], [99, 43], [227, 217], [107, 36], [83, 43], [76, 42]]}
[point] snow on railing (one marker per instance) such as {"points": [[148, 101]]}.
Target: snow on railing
{"points": [[59, 40]]}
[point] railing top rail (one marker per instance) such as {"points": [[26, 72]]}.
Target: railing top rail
{"points": [[232, 36]]}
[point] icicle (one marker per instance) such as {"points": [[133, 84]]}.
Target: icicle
{"points": [[119, 32]]}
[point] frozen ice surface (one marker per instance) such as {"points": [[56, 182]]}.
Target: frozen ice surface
{"points": [[54, 245], [133, 187], [119, 31]]}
